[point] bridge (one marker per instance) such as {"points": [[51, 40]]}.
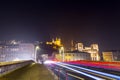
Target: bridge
{"points": [[26, 68], [53, 70]]}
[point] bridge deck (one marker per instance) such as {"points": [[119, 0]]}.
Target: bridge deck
{"points": [[30, 72]]}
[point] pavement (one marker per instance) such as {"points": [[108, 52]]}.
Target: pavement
{"points": [[33, 71]]}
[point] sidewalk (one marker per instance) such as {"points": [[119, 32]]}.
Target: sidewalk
{"points": [[30, 72]]}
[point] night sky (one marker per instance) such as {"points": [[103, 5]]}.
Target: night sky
{"points": [[87, 22]]}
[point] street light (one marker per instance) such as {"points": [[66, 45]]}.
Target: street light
{"points": [[35, 55], [62, 53]]}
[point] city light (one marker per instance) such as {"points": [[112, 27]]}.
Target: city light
{"points": [[49, 62], [16, 59]]}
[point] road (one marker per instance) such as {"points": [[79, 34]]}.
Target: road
{"points": [[32, 71], [66, 71]]}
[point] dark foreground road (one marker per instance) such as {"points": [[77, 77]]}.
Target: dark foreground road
{"points": [[30, 72]]}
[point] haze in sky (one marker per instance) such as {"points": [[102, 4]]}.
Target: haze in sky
{"points": [[87, 22]]}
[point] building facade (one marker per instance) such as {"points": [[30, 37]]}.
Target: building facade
{"points": [[56, 41], [93, 50], [73, 56], [112, 55], [11, 51], [79, 46]]}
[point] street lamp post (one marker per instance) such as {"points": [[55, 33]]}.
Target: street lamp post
{"points": [[35, 55], [62, 53]]}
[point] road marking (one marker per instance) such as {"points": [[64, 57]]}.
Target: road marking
{"points": [[75, 76]]}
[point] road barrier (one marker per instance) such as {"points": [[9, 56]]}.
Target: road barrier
{"points": [[10, 66]]}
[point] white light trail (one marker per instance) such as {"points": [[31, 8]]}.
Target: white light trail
{"points": [[98, 72], [91, 76]]}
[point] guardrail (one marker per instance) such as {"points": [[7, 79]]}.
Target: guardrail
{"points": [[10, 66]]}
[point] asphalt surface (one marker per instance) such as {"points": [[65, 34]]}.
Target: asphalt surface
{"points": [[30, 72]]}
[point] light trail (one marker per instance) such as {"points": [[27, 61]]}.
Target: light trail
{"points": [[98, 72], [91, 76]]}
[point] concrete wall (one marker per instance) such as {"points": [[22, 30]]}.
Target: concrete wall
{"points": [[10, 66]]}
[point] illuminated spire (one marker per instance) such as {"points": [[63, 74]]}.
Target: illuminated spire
{"points": [[53, 40], [56, 38], [72, 45]]}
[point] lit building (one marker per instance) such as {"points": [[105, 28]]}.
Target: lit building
{"points": [[79, 46], [95, 47], [13, 50], [93, 50], [57, 42], [112, 55], [28, 49], [72, 46], [60, 55], [74, 55]]}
